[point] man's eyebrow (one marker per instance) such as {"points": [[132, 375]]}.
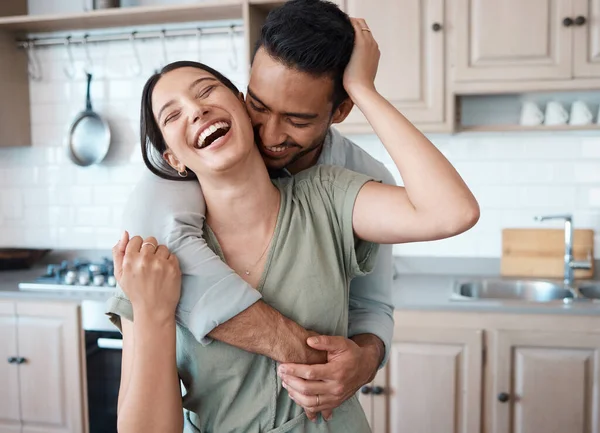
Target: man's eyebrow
{"points": [[306, 116]]}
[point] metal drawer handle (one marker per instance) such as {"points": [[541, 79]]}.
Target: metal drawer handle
{"points": [[110, 343]]}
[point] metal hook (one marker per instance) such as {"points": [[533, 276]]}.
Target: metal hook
{"points": [[89, 65], [69, 70], [33, 65], [233, 61], [199, 43], [137, 70], [163, 41]]}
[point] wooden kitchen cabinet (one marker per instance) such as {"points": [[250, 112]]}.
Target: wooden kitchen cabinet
{"points": [[451, 372], [512, 40], [544, 382], [586, 38], [10, 418], [434, 382], [49, 392], [411, 73], [525, 46]]}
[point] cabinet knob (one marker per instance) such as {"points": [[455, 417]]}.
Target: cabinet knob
{"points": [[377, 390], [21, 360], [580, 20], [12, 360], [503, 397], [436, 27], [366, 390], [568, 22]]}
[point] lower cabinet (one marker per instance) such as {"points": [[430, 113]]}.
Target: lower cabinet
{"points": [[544, 382], [492, 373], [41, 368]]}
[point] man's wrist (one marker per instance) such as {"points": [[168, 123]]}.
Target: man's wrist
{"points": [[373, 351]]}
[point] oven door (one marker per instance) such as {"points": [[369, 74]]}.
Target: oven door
{"points": [[103, 356]]}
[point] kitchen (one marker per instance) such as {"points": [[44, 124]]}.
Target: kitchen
{"points": [[517, 115]]}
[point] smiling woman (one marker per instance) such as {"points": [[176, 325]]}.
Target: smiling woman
{"points": [[152, 141]]}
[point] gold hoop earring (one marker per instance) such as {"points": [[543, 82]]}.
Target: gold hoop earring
{"points": [[183, 173]]}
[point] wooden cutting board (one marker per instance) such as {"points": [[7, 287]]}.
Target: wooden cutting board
{"points": [[540, 252]]}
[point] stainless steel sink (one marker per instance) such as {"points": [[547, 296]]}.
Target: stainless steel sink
{"points": [[509, 289], [590, 290]]}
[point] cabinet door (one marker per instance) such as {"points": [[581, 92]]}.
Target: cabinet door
{"points": [[374, 401], [49, 338], [544, 382], [411, 68], [435, 380], [10, 416], [512, 40], [586, 43]]}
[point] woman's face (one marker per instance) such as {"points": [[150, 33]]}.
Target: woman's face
{"points": [[204, 124]]}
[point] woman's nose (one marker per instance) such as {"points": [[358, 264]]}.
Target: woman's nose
{"points": [[197, 113]]}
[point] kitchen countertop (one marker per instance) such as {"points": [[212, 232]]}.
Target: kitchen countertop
{"points": [[411, 292], [434, 292]]}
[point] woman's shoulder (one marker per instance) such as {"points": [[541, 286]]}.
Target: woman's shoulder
{"points": [[319, 174]]}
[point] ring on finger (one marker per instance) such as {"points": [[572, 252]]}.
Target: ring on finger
{"points": [[365, 29], [318, 401], [150, 243]]}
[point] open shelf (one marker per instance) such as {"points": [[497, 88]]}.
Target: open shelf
{"points": [[124, 17]]}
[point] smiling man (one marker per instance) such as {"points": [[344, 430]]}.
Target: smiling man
{"points": [[295, 94]]}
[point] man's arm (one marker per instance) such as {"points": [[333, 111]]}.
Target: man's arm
{"points": [[215, 301], [263, 330]]}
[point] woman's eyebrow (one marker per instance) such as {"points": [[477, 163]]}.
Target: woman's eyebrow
{"points": [[199, 80]]}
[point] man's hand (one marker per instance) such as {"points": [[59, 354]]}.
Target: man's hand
{"points": [[348, 368]]}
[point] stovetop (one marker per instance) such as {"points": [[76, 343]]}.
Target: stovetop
{"points": [[76, 275]]}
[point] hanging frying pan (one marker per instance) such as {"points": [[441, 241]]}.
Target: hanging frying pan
{"points": [[89, 135]]}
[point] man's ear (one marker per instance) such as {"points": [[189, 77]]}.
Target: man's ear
{"points": [[172, 160], [241, 98], [342, 111]]}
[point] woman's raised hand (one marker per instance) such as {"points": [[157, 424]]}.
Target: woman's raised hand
{"points": [[149, 275]]}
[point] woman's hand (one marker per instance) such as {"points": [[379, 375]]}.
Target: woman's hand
{"points": [[149, 275], [362, 68]]}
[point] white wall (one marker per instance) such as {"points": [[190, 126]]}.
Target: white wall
{"points": [[46, 201]]}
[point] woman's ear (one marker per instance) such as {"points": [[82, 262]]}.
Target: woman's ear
{"points": [[172, 160]]}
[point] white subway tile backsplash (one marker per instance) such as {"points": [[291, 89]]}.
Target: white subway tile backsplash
{"points": [[593, 195], [590, 147], [47, 201], [93, 216], [587, 172]]}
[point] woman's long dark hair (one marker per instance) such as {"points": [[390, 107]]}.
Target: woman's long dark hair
{"points": [[152, 141]]}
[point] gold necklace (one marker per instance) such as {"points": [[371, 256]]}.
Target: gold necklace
{"points": [[247, 271]]}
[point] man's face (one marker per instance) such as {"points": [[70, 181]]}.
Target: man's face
{"points": [[290, 111]]}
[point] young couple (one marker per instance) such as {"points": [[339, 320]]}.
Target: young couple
{"points": [[265, 291]]}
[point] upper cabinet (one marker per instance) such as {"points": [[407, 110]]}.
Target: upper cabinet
{"points": [[586, 38], [515, 40], [512, 40], [411, 38]]}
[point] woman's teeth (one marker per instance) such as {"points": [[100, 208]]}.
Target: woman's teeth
{"points": [[209, 131]]}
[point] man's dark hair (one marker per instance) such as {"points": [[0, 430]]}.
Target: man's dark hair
{"points": [[311, 36]]}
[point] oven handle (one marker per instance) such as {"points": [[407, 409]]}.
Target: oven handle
{"points": [[110, 343]]}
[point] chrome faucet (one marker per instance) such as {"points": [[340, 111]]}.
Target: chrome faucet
{"points": [[570, 263]]}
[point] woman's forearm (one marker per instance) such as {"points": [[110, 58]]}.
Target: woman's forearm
{"points": [[434, 188], [153, 399]]}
